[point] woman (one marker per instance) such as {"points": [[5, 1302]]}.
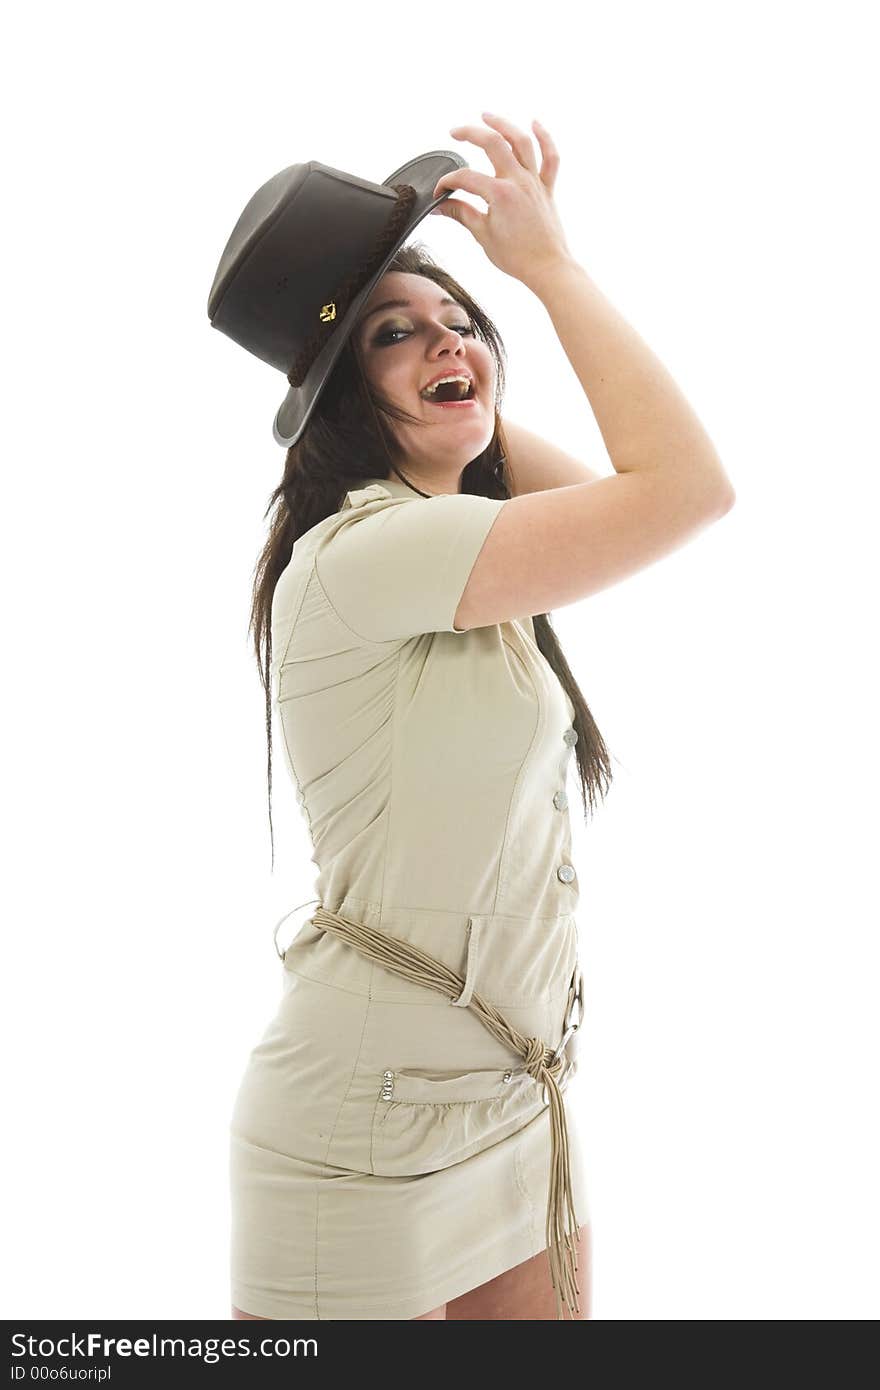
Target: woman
{"points": [[400, 1124]]}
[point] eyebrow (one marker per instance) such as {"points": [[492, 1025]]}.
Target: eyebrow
{"points": [[405, 304]]}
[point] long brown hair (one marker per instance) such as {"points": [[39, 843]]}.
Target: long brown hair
{"points": [[345, 443]]}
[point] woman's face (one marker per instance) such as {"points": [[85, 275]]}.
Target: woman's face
{"points": [[407, 346]]}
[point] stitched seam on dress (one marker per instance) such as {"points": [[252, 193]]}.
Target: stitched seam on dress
{"points": [[372, 641], [350, 1079], [501, 1244], [519, 1177], [373, 1135], [393, 737], [477, 1146], [500, 1094], [315, 980], [329, 1145], [302, 598], [516, 1002], [264, 1148], [385, 855], [445, 911], [279, 720], [302, 796], [474, 928], [539, 725], [463, 536], [416, 1289], [379, 1302]]}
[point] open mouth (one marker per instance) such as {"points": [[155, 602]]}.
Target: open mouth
{"points": [[450, 393]]}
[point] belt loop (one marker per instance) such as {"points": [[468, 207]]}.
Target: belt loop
{"points": [[470, 969], [575, 996], [282, 954]]}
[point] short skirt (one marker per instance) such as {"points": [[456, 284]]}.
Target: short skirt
{"points": [[387, 1154]]}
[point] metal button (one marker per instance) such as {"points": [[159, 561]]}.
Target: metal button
{"points": [[570, 737], [560, 800], [565, 873]]}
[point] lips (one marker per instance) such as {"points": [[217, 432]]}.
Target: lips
{"points": [[455, 371]]}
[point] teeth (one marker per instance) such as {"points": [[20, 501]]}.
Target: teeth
{"points": [[430, 390]]}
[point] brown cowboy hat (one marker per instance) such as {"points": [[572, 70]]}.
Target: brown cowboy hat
{"points": [[303, 257]]}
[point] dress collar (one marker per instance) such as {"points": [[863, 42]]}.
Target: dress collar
{"points": [[395, 486]]}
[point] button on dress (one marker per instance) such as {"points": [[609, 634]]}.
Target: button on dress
{"points": [[388, 1153]]}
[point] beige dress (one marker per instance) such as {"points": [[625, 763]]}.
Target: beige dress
{"points": [[383, 1159]]}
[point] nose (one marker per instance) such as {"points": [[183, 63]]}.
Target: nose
{"points": [[449, 343], [451, 333]]}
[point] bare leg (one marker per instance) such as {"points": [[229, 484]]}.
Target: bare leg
{"points": [[524, 1292], [437, 1313]]}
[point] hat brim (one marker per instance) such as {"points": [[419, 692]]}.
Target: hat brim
{"points": [[422, 174]]}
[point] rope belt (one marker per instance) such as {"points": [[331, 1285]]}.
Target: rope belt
{"points": [[544, 1064]]}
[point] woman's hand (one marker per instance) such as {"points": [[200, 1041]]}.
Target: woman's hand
{"points": [[521, 233]]}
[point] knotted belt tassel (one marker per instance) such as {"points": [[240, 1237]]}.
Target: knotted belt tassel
{"points": [[409, 961]]}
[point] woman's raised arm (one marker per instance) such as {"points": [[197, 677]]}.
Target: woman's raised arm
{"points": [[534, 463]]}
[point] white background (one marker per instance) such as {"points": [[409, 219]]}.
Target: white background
{"points": [[717, 170]]}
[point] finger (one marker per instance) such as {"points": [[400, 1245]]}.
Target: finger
{"points": [[550, 161], [522, 143], [503, 159], [462, 212], [470, 181]]}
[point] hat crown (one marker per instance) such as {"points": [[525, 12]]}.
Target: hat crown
{"points": [[293, 243]]}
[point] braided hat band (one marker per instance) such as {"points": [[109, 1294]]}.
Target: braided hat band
{"points": [[331, 313]]}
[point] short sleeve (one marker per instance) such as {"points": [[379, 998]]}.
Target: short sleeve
{"points": [[398, 567]]}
